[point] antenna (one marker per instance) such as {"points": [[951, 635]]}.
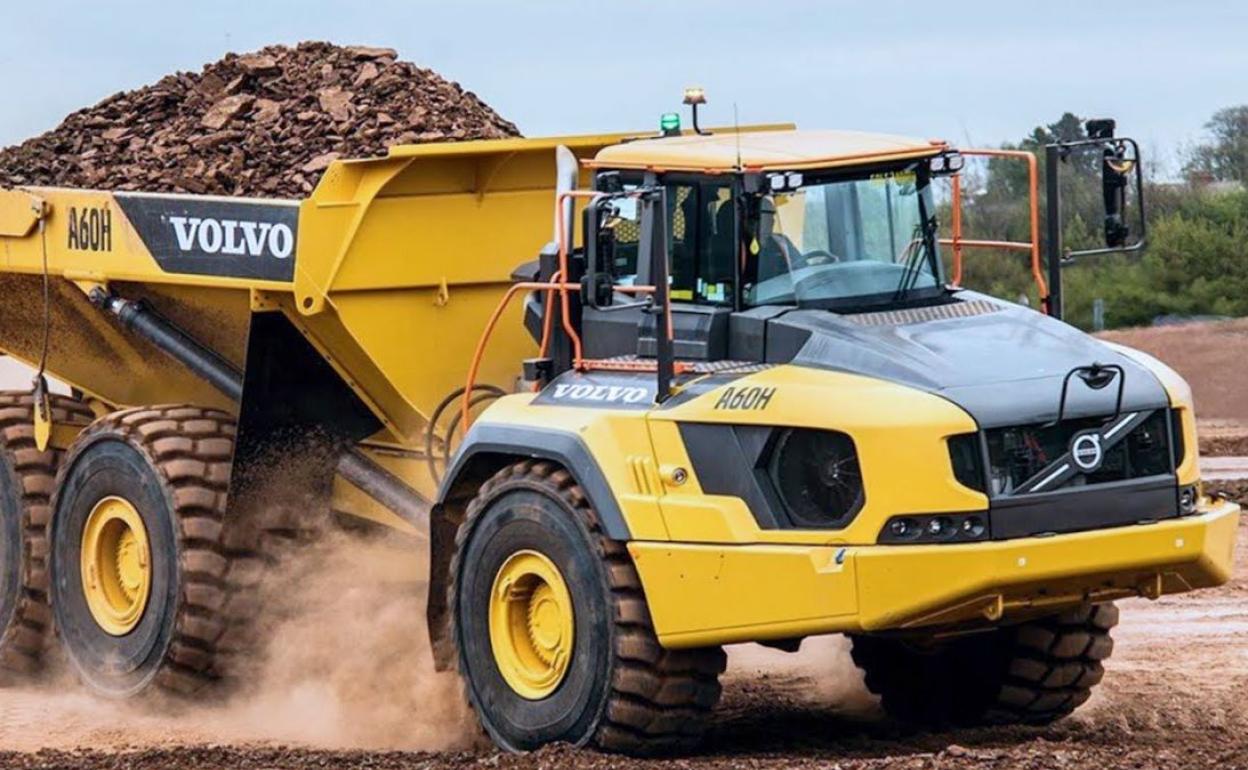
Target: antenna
{"points": [[736, 128]]}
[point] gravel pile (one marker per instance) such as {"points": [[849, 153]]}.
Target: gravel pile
{"points": [[263, 124]]}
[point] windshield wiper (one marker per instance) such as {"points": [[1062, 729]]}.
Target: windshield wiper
{"points": [[921, 241]]}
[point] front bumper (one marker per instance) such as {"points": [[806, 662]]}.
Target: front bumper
{"points": [[715, 594]]}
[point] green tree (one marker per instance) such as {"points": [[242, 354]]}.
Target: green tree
{"points": [[1224, 158]]}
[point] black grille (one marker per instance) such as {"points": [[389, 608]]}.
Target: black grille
{"points": [[968, 468], [1017, 454]]}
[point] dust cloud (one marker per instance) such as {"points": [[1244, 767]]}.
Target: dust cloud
{"points": [[344, 663]]}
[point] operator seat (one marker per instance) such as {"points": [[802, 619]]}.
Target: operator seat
{"points": [[775, 252], [723, 249]]}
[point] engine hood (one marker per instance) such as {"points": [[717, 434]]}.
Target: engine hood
{"points": [[1003, 363]]}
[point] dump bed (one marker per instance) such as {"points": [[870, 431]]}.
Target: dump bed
{"points": [[390, 269]]}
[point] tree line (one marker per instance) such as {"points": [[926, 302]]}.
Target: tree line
{"points": [[1197, 229]]}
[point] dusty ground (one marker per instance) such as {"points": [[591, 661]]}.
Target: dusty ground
{"points": [[1207, 355], [1176, 695]]}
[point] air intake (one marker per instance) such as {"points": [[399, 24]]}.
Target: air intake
{"points": [[923, 314]]}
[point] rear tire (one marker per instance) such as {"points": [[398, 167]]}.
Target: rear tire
{"points": [[1032, 673], [620, 690], [27, 476], [171, 467]]}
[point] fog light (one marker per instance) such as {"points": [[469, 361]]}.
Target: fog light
{"points": [[902, 528], [973, 527], [1188, 499], [935, 528]]}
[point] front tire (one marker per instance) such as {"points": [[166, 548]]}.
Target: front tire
{"points": [[1035, 672], [611, 684]]}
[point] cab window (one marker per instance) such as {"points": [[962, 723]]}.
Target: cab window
{"points": [[700, 246]]}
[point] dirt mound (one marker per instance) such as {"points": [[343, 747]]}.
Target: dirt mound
{"points": [[259, 124], [1229, 445], [1233, 490], [1205, 355]]}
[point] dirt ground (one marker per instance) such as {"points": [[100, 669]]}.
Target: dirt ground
{"points": [[332, 695], [1208, 356]]}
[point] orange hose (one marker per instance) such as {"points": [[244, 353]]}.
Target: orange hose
{"points": [[548, 317], [471, 382]]}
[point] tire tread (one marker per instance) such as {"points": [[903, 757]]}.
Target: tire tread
{"points": [[192, 659], [660, 700], [22, 643], [1034, 673]]}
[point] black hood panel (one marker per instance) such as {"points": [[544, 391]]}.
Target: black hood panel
{"points": [[1005, 367]]}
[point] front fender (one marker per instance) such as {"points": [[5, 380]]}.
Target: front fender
{"points": [[488, 448]]}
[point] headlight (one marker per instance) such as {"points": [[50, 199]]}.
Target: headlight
{"points": [[1189, 499], [816, 475], [935, 528]]}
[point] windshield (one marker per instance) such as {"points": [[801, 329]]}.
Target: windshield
{"points": [[843, 242]]}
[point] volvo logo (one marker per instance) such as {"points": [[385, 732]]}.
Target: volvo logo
{"points": [[1086, 451]]}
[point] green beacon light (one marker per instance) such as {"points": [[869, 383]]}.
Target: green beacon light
{"points": [[669, 123]]}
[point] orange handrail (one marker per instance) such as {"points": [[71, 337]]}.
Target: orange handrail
{"points": [[958, 242]]}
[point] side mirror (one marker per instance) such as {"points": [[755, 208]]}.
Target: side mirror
{"points": [[603, 218], [597, 286], [1120, 161], [1115, 168]]}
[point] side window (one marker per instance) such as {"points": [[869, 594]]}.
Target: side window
{"points": [[682, 203], [702, 250], [717, 248], [627, 230]]}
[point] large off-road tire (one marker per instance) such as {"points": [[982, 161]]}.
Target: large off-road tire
{"points": [[1032, 673], [27, 476], [154, 477], [532, 562]]}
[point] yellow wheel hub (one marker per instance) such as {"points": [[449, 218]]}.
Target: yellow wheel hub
{"points": [[531, 628], [116, 565]]}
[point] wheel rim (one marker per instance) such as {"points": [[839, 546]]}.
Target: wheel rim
{"points": [[116, 565], [531, 624]]}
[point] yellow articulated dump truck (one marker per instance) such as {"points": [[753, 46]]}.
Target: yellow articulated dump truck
{"points": [[644, 395]]}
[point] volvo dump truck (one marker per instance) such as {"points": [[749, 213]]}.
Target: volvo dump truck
{"points": [[734, 394]]}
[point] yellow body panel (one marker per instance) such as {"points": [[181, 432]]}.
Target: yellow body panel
{"points": [[620, 444], [19, 213], [900, 434], [712, 575], [764, 150], [707, 594], [710, 594]]}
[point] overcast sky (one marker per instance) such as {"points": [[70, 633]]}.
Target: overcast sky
{"points": [[973, 72]]}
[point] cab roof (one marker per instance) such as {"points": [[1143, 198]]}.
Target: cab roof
{"points": [[782, 150]]}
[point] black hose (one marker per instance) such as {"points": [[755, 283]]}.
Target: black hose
{"points": [[140, 318], [431, 428], [450, 430]]}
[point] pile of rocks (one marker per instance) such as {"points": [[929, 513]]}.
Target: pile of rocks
{"points": [[262, 124]]}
